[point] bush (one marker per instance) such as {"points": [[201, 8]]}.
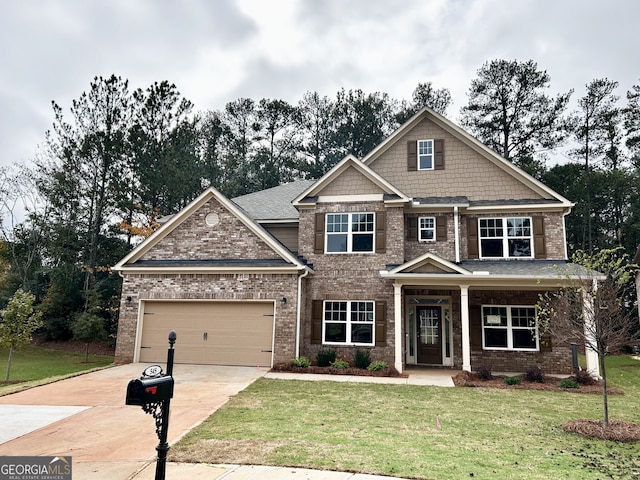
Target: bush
{"points": [[303, 362], [362, 358], [583, 377], [483, 372], [512, 380], [340, 364], [326, 357], [534, 375], [377, 366], [569, 383]]}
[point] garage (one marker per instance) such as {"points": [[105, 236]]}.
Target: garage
{"points": [[208, 333]]}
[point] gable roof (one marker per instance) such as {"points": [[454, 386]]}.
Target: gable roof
{"points": [[273, 204], [391, 193], [471, 142], [133, 262]]}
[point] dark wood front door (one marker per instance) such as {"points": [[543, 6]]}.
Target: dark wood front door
{"points": [[429, 334]]}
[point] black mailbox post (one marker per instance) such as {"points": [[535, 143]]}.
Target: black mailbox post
{"points": [[153, 392]]}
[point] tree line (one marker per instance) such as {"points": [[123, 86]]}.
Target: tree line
{"points": [[118, 159]]}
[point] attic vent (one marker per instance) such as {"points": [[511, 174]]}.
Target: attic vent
{"points": [[212, 219]]}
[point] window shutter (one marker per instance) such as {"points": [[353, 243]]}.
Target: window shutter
{"points": [[540, 247], [441, 229], [545, 342], [381, 232], [316, 321], [438, 154], [412, 228], [412, 156], [475, 327], [472, 238], [318, 246], [381, 324]]}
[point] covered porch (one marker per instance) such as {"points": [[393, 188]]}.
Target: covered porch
{"points": [[445, 313]]}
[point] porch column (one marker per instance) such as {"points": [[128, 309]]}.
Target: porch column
{"points": [[593, 366], [466, 337], [399, 323]]}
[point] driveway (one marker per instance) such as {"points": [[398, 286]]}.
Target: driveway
{"points": [[85, 417]]}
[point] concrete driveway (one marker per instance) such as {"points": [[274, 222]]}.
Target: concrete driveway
{"points": [[85, 417]]}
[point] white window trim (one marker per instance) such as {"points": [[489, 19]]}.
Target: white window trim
{"points": [[420, 239], [510, 328], [433, 154], [349, 234], [349, 323], [505, 237]]}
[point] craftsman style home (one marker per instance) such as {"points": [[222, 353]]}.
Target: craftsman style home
{"points": [[430, 251]]}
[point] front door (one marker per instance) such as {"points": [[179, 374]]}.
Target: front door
{"points": [[429, 326]]}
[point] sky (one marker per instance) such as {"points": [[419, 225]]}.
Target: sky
{"points": [[216, 51]]}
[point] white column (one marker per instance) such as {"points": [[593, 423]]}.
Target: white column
{"points": [[466, 337], [398, 324], [593, 366]]}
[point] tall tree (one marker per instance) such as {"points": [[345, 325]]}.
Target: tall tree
{"points": [[594, 126], [362, 122], [509, 111], [424, 95], [315, 122], [164, 150]]}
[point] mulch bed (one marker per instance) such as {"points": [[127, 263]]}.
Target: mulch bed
{"points": [[617, 431], [468, 379], [387, 372]]}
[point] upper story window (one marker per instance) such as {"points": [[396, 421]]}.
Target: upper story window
{"points": [[427, 229], [425, 155], [509, 328], [505, 237], [350, 232]]}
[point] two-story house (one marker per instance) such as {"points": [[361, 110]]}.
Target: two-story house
{"points": [[432, 250]]}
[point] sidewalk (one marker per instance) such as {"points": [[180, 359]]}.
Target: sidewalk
{"points": [[194, 471]]}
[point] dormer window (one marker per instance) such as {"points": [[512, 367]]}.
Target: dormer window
{"points": [[425, 155]]}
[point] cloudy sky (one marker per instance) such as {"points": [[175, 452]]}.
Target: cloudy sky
{"points": [[216, 51]]}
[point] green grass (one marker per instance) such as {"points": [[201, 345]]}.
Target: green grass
{"points": [[391, 430], [33, 365]]}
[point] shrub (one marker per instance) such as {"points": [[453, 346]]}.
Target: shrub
{"points": [[340, 364], [569, 383], [326, 357], [534, 375], [512, 380], [362, 358], [377, 366], [303, 362], [626, 349], [583, 377], [483, 372]]}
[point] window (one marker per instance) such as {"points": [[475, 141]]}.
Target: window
{"points": [[350, 232], [509, 328], [505, 237], [348, 322], [427, 229], [425, 154]]}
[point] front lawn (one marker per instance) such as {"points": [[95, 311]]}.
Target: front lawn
{"points": [[32, 365], [419, 432]]}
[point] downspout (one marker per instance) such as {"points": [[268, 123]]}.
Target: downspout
{"points": [[298, 310], [456, 230]]}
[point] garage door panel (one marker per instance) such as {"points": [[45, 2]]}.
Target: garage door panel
{"points": [[216, 333]]}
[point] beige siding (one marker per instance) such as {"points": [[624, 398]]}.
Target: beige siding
{"points": [[466, 172], [351, 182], [286, 234]]}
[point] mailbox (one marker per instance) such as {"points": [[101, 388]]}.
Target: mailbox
{"points": [[149, 390]]}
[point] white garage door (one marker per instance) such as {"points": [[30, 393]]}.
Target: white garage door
{"points": [[211, 333]]}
